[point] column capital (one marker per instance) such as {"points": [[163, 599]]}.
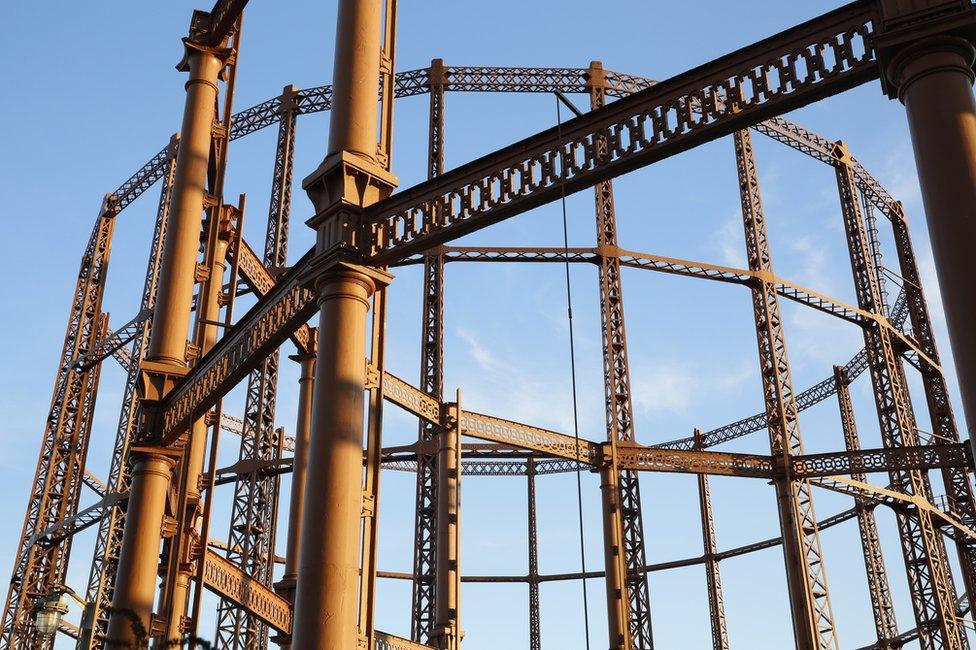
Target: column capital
{"points": [[191, 49], [340, 189], [929, 56], [596, 77], [288, 99], [312, 353], [437, 74], [158, 460], [908, 29], [347, 178], [334, 265]]}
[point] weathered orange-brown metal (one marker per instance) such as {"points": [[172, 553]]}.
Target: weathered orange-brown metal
{"points": [[166, 359], [923, 53]]}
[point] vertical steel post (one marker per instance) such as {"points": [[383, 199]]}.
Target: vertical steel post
{"points": [[535, 631], [932, 75], [166, 360], [885, 625], [713, 577], [806, 576], [626, 557], [251, 534], [371, 478], [350, 178], [959, 491], [447, 629], [56, 488], [929, 579], [108, 542], [296, 505], [423, 610]]}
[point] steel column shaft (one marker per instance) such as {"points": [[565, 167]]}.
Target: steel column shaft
{"points": [[167, 344], [326, 604], [296, 505], [352, 125], [447, 628], [132, 602], [934, 78], [535, 631], [349, 179]]}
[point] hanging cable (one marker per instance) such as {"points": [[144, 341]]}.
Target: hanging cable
{"points": [[572, 367]]}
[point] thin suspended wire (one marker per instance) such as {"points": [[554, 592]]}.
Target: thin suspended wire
{"points": [[572, 366]]}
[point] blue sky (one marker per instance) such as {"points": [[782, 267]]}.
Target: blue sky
{"points": [[90, 101]]}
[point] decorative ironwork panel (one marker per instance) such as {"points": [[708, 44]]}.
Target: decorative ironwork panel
{"points": [[228, 581], [648, 459], [821, 57]]}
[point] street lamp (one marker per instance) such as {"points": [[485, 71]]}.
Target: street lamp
{"points": [[51, 608], [47, 616]]}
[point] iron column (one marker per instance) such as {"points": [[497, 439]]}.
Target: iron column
{"points": [[286, 586], [618, 626], [447, 627], [349, 179], [934, 80], [166, 359]]}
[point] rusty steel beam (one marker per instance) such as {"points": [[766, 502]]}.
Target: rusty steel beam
{"points": [[228, 581], [252, 526], [780, 73], [101, 581], [276, 316], [627, 518], [813, 623], [535, 617], [647, 459], [925, 457], [601, 150], [959, 490], [713, 576], [930, 582], [59, 476], [213, 28], [879, 590]]}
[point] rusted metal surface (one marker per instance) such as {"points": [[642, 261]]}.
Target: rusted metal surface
{"points": [[649, 122]]}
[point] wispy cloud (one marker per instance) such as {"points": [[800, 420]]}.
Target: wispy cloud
{"points": [[528, 394], [729, 242], [668, 386], [664, 388], [813, 261]]}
